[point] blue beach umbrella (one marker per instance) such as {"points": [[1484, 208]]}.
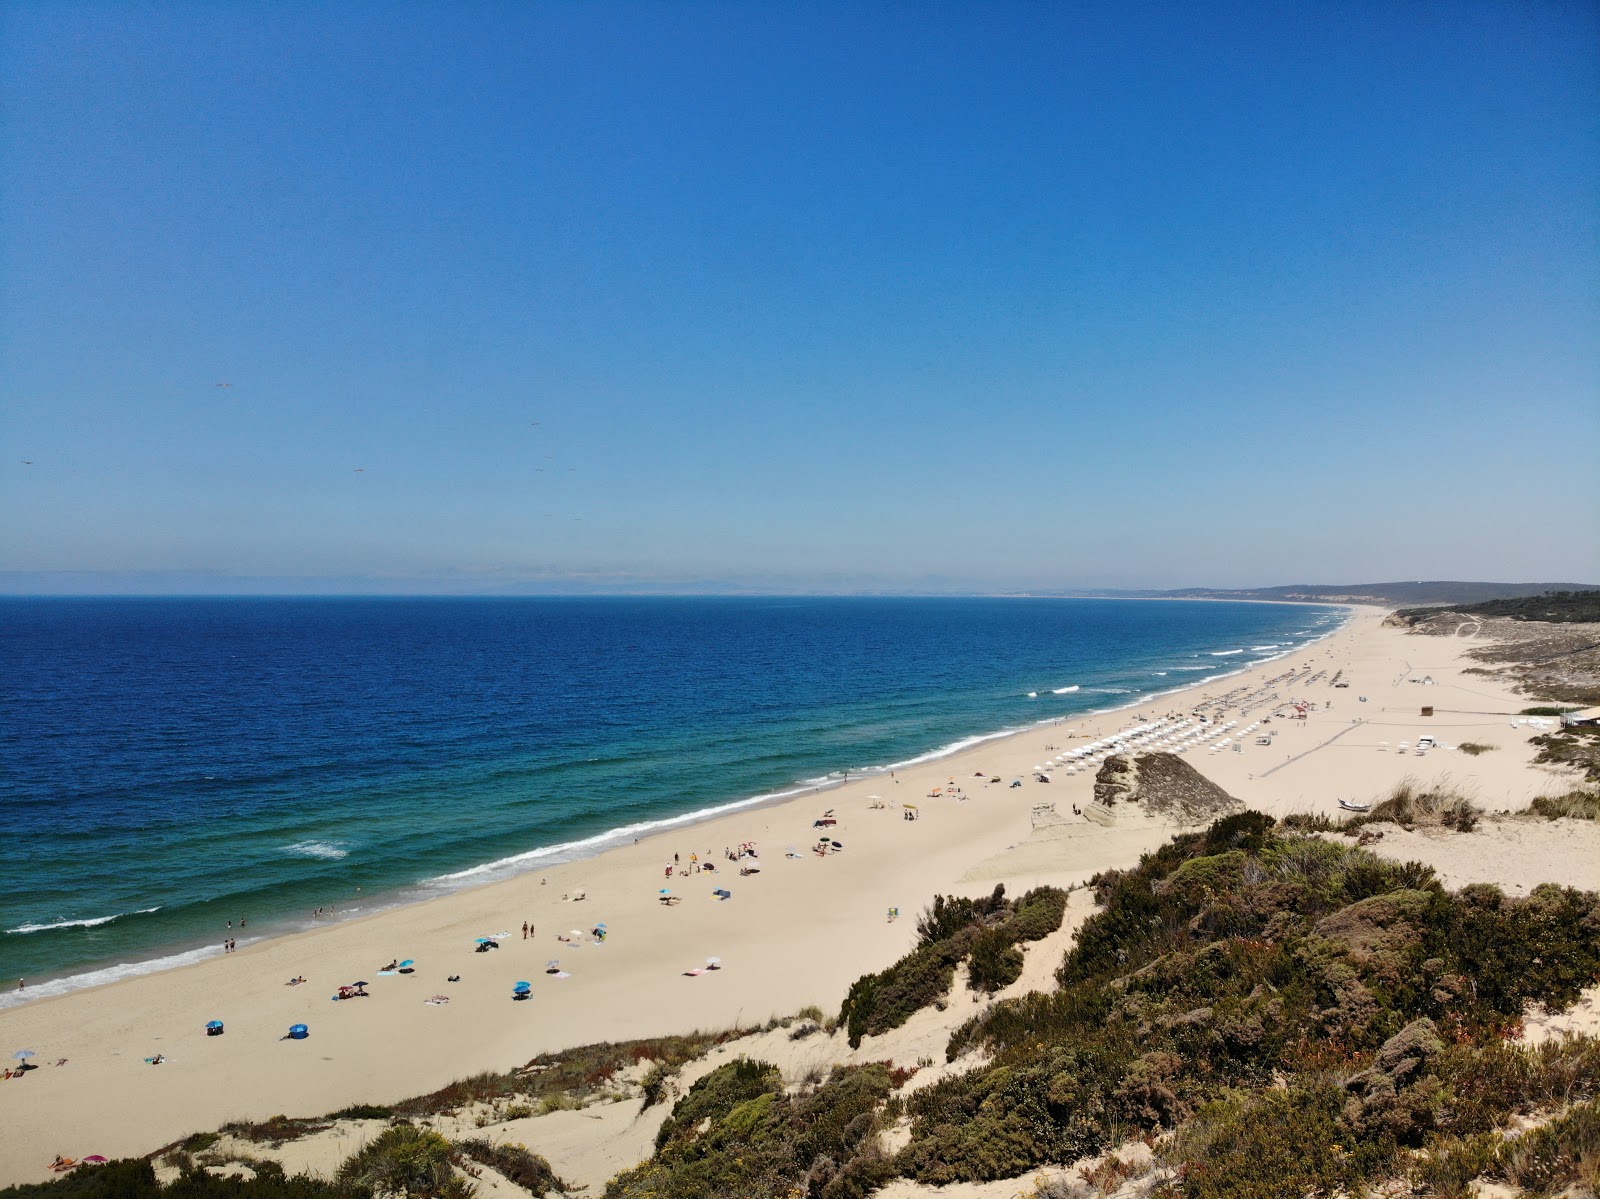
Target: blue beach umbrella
{"points": [[483, 940], [22, 1055], [299, 1032], [407, 962], [523, 986]]}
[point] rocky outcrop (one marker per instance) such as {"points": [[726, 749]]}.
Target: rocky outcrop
{"points": [[1163, 784]]}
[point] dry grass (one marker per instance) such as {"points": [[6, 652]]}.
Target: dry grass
{"points": [[1574, 805], [1413, 806]]}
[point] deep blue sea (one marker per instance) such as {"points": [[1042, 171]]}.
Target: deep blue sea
{"points": [[167, 765]]}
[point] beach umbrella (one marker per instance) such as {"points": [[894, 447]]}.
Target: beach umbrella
{"points": [[484, 940], [713, 962], [299, 1032], [407, 962], [362, 983], [22, 1055], [664, 891], [213, 1023], [523, 985], [94, 1159]]}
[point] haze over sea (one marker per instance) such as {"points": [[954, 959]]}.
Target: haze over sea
{"points": [[173, 764]]}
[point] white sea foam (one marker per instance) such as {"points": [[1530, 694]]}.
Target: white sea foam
{"points": [[317, 849], [110, 974], [1064, 690], [44, 928], [586, 847], [1226, 653], [1258, 648]]}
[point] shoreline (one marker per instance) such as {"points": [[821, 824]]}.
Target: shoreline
{"points": [[181, 955], [797, 933]]}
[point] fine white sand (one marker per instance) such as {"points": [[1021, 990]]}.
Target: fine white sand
{"points": [[798, 933]]}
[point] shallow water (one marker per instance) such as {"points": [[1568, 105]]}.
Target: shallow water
{"points": [[174, 764]]}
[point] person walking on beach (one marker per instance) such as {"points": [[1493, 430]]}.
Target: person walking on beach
{"points": [[524, 930]]}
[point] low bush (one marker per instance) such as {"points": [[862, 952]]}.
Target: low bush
{"points": [[362, 1111], [405, 1161], [737, 1134], [1473, 748], [1272, 1144], [1574, 805], [1555, 1156], [134, 1178], [516, 1164], [1411, 806], [994, 963], [951, 929], [1575, 748], [276, 1131]]}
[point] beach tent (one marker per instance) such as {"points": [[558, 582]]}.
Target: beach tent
{"points": [[213, 1028], [298, 1032]]}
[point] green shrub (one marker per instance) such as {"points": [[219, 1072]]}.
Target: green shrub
{"points": [[879, 1002], [1473, 748], [1272, 1144], [1558, 1155], [742, 1136], [1451, 1164], [1411, 806], [1574, 805], [362, 1111], [994, 962], [715, 1095], [515, 1163], [404, 1160], [134, 1178]]}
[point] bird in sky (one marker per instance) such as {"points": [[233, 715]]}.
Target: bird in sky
{"points": [[27, 462], [361, 470], [224, 384]]}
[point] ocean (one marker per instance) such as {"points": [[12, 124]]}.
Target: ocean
{"points": [[169, 765]]}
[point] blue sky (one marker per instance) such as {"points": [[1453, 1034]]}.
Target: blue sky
{"points": [[524, 297]]}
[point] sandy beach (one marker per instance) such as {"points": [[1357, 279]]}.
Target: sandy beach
{"points": [[796, 933]]}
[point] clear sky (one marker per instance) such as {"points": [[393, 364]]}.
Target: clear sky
{"points": [[458, 297]]}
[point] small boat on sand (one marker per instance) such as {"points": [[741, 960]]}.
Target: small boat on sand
{"points": [[1350, 805]]}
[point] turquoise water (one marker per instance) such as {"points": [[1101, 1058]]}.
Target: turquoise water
{"points": [[174, 764]]}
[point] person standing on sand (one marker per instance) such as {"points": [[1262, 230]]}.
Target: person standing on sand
{"points": [[524, 930]]}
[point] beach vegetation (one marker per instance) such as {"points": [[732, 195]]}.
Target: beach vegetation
{"points": [[1281, 999], [984, 932], [516, 1163], [277, 1130], [1574, 805], [569, 1079], [362, 1111], [405, 1160], [738, 1132], [135, 1178], [1551, 606], [1546, 710], [1411, 806], [1473, 748], [1574, 748]]}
